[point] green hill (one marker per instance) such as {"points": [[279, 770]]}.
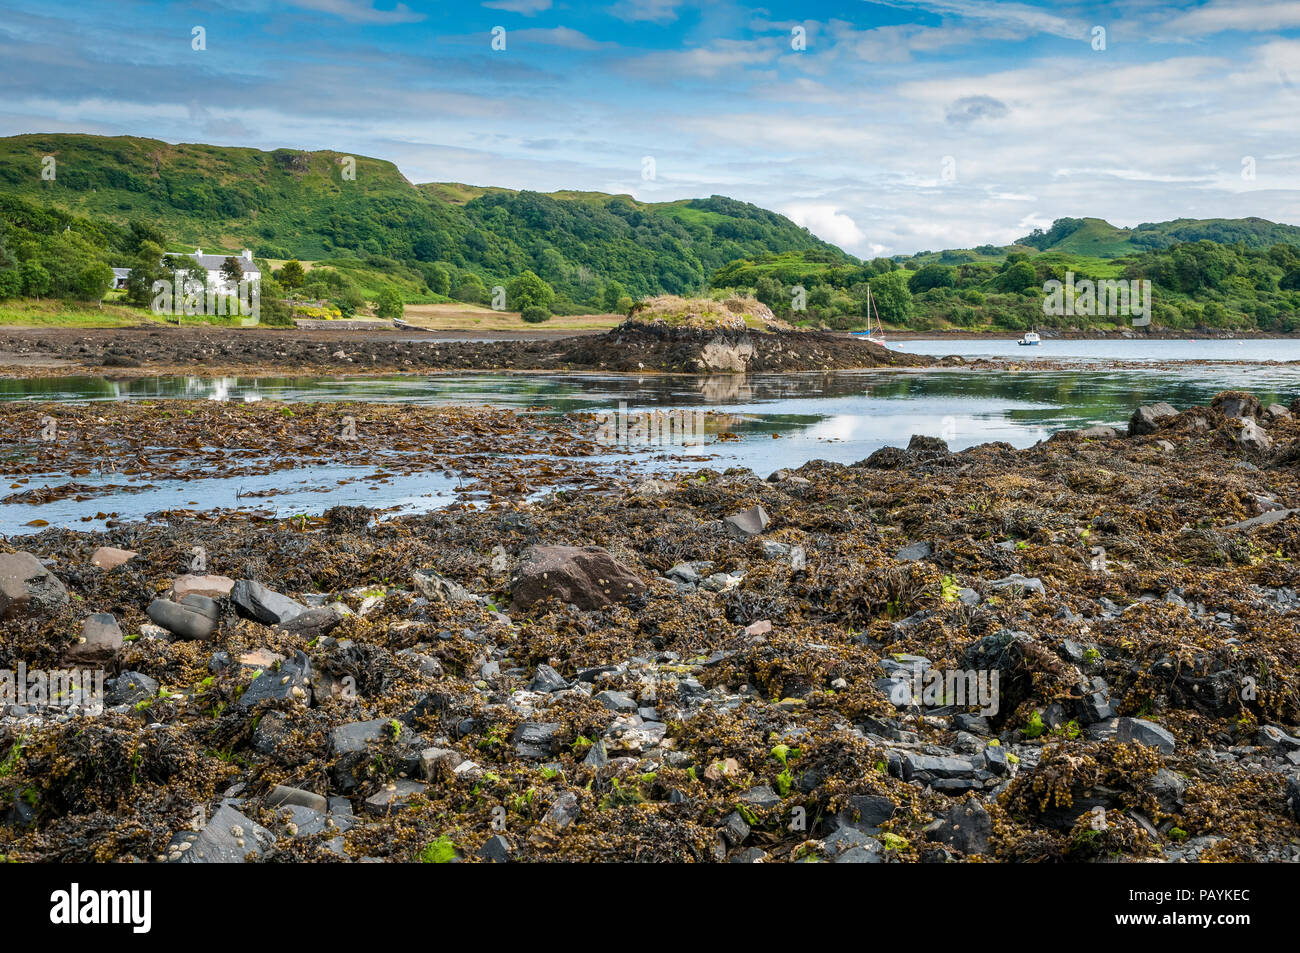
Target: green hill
{"points": [[286, 203]]}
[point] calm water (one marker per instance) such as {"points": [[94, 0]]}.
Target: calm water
{"points": [[1112, 351], [841, 416]]}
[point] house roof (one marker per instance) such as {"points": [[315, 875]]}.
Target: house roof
{"points": [[121, 272], [214, 262]]}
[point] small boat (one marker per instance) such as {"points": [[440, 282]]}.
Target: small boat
{"points": [[1030, 338], [876, 336], [399, 323]]}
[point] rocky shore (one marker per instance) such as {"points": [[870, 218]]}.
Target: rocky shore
{"points": [[633, 346], [726, 667]]}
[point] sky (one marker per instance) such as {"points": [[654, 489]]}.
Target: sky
{"points": [[884, 127]]}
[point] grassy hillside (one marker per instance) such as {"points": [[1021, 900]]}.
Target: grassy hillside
{"points": [[590, 247]]}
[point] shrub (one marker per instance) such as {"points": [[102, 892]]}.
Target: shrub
{"points": [[535, 314]]}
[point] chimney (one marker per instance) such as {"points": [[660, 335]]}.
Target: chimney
{"points": [[246, 255]]}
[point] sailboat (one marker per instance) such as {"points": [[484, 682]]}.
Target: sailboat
{"points": [[876, 336]]}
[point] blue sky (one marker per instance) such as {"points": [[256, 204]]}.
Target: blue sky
{"points": [[899, 125]]}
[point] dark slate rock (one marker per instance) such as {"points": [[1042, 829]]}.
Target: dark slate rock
{"points": [[1147, 733], [130, 688], [194, 617], [292, 680], [536, 739], [495, 850], [966, 827], [252, 600], [547, 679], [227, 838]]}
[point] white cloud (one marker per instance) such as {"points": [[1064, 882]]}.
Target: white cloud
{"points": [[360, 11], [826, 222]]}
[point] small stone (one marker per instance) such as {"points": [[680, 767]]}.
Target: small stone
{"points": [[27, 587], [254, 601], [100, 643], [107, 557], [748, 523], [1148, 733], [213, 587], [194, 617], [547, 679]]}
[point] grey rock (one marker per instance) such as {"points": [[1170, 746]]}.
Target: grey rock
{"points": [[438, 588], [130, 688], [748, 523], [966, 827], [315, 623], [563, 811], [926, 446], [284, 795], [735, 829], [616, 701], [547, 679], [393, 797], [1146, 419], [1017, 582], [100, 643], [227, 838], [291, 681], [495, 850], [536, 739], [913, 552], [761, 797], [1146, 733], [27, 587], [589, 577], [194, 617], [254, 601]]}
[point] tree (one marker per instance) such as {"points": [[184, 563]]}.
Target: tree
{"points": [[1018, 278], [94, 281], [535, 314], [11, 283], [931, 276], [231, 270], [36, 280], [614, 291], [892, 297], [291, 275], [529, 290], [470, 288], [147, 268], [389, 304], [437, 278]]}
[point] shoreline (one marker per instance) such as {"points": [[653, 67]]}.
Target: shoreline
{"points": [[746, 663]]}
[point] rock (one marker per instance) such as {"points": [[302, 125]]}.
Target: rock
{"points": [[100, 642], [130, 688], [495, 850], [684, 573], [589, 577], [1293, 795], [1165, 445], [194, 617], [1146, 419], [283, 795], [254, 601], [563, 812], [966, 827], [1274, 737], [1276, 412], [724, 355], [437, 763], [227, 838], [1095, 705], [750, 855], [393, 797], [536, 739], [291, 681], [214, 587], [437, 588], [735, 829], [929, 767], [1251, 436], [1263, 519], [107, 557], [761, 627], [27, 587], [547, 679], [748, 523], [926, 446], [1146, 733], [1099, 432], [1017, 582], [312, 624], [761, 797], [1235, 403], [616, 701], [913, 552]]}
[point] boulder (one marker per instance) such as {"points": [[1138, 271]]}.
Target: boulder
{"points": [[966, 827], [254, 601], [130, 688], [100, 642], [589, 577], [1147, 418], [926, 446], [1235, 403], [437, 588], [1251, 436], [292, 680], [27, 587], [194, 617], [107, 557], [1099, 432], [1276, 412]]}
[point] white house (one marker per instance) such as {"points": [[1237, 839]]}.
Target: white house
{"points": [[216, 281]]}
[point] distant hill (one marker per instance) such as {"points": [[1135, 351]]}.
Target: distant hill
{"points": [[1098, 238], [293, 204]]}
